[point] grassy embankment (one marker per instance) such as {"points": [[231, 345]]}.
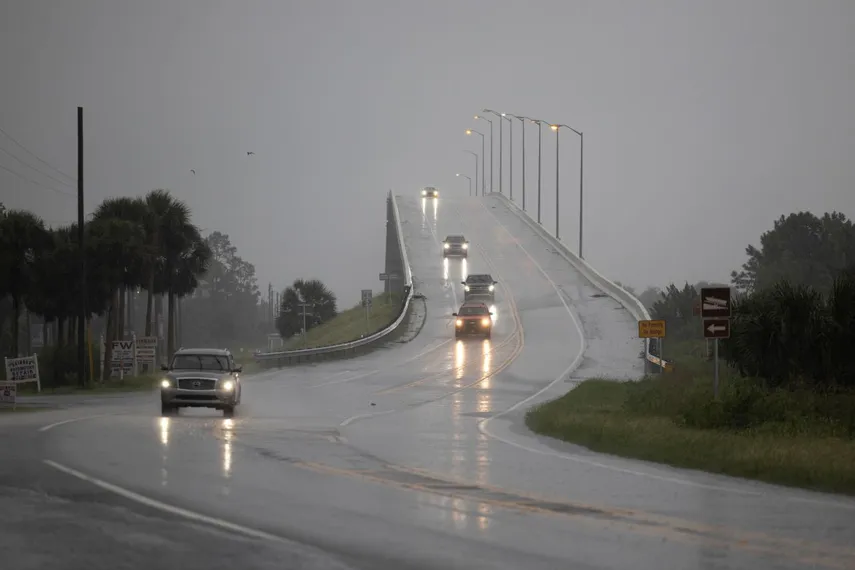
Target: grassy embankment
{"points": [[797, 437], [350, 324]]}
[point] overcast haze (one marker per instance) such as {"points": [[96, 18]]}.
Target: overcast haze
{"points": [[703, 121]]}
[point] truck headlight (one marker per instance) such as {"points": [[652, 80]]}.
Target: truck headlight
{"points": [[165, 383], [228, 386]]}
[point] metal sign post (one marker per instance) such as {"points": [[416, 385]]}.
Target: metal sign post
{"points": [[716, 310], [305, 306], [367, 298]]}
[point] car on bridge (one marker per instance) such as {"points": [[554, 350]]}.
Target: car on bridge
{"points": [[430, 192], [455, 246], [201, 378], [479, 285], [473, 319]]}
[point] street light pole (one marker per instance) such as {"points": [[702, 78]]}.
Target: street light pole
{"points": [[539, 124], [510, 154], [469, 178], [557, 162], [469, 132], [501, 146], [475, 154], [491, 153], [581, 178], [522, 120]]}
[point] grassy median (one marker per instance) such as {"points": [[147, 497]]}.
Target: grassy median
{"points": [[351, 324], [792, 437]]}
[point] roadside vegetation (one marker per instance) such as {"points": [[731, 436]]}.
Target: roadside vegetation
{"points": [[786, 408], [350, 324], [149, 272]]}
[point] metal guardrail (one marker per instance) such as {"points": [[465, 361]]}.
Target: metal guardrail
{"points": [[635, 307], [343, 349]]}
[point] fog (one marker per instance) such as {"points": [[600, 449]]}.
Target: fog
{"points": [[703, 121]]}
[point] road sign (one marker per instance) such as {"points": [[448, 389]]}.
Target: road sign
{"points": [[389, 276], [651, 329], [716, 328], [367, 296], [8, 393], [715, 302]]}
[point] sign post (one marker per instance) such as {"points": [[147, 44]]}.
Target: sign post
{"points": [[367, 299], [9, 393], [654, 329], [716, 310], [388, 278]]}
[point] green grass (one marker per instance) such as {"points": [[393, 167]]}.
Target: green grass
{"points": [[350, 324], [114, 385], [798, 438], [23, 409]]}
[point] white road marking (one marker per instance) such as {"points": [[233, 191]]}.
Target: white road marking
{"points": [[72, 420], [352, 419], [164, 507]]}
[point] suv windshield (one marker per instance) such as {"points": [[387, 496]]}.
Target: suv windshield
{"points": [[455, 239], [479, 279], [473, 310], [212, 362]]}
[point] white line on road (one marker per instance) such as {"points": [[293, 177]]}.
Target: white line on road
{"points": [[161, 506], [72, 420], [352, 419]]}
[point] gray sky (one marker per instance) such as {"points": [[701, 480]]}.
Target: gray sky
{"points": [[703, 121]]}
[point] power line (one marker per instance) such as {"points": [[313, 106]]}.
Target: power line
{"points": [[34, 168], [34, 155], [25, 179]]}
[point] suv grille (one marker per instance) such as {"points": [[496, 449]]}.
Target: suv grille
{"points": [[197, 384]]}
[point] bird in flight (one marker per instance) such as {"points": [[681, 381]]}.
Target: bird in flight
{"points": [[193, 171], [249, 153]]}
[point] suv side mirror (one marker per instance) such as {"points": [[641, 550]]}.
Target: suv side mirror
{"points": [[453, 314], [164, 367], [463, 282], [238, 368], [491, 313]]}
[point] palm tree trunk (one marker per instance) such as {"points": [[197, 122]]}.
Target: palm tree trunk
{"points": [[16, 328], [120, 328], [149, 302], [170, 327], [60, 331], [108, 336], [28, 331], [45, 328]]}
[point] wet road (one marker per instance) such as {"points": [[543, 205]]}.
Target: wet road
{"points": [[414, 456]]}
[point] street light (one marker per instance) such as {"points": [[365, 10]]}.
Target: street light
{"points": [[501, 146], [581, 188], [475, 154], [478, 117], [469, 132], [522, 120], [510, 154], [539, 124], [470, 182]]}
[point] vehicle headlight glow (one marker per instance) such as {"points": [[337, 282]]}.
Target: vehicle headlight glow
{"points": [[165, 383], [465, 246], [459, 322], [228, 386], [445, 245], [424, 193], [492, 287], [466, 287], [485, 322]]}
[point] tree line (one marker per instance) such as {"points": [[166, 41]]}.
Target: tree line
{"points": [[793, 318], [134, 247]]}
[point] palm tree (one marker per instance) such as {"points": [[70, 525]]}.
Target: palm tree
{"points": [[191, 263], [23, 237]]}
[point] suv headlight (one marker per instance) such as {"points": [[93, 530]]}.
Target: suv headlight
{"points": [[459, 322], [166, 383], [492, 287], [424, 193], [465, 246], [466, 287], [445, 245], [227, 386], [485, 322]]}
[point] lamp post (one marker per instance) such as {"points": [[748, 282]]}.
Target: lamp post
{"points": [[501, 146], [469, 132], [491, 152], [539, 124], [510, 154], [470, 181], [522, 120], [581, 178], [475, 154]]}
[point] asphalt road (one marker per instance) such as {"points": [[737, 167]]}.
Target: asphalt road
{"points": [[410, 457]]}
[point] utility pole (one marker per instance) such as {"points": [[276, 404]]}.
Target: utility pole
{"points": [[81, 320]]}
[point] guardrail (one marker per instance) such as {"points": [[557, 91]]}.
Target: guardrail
{"points": [[345, 349], [635, 307]]}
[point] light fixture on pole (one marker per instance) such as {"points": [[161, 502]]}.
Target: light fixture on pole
{"points": [[478, 117], [475, 154], [522, 120], [501, 147], [581, 172], [469, 178], [469, 132]]}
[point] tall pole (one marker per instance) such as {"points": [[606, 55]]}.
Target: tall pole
{"points": [[491, 156], [81, 319], [510, 156], [469, 178], [483, 157], [475, 154], [557, 162], [581, 188], [501, 147], [539, 148], [523, 120]]}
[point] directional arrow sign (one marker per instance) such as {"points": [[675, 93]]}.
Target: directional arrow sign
{"points": [[717, 328], [715, 302]]}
